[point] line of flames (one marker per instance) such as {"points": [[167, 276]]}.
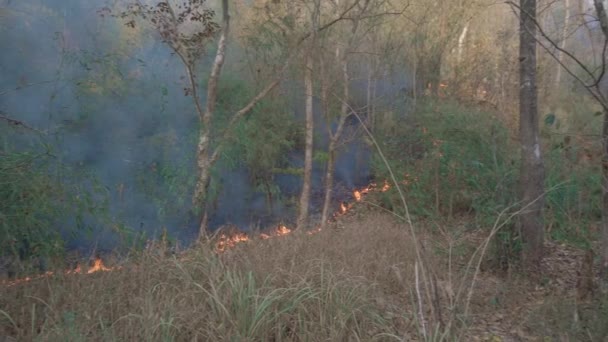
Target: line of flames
{"points": [[224, 241], [98, 266]]}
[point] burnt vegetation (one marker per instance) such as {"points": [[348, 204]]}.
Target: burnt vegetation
{"points": [[303, 170]]}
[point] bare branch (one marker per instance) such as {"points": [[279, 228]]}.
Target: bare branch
{"points": [[23, 86], [20, 123], [593, 88], [555, 45]]}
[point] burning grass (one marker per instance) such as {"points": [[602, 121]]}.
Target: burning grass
{"points": [[227, 241], [320, 287], [357, 283]]}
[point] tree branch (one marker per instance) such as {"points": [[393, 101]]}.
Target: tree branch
{"points": [[555, 45], [27, 85], [593, 88], [243, 111], [15, 122]]}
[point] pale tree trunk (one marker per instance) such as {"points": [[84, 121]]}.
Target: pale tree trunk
{"points": [[203, 155], [604, 246], [309, 147], [461, 41], [306, 186], [368, 95], [344, 112], [601, 13], [562, 45], [532, 167], [333, 145]]}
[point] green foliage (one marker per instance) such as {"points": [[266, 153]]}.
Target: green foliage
{"points": [[454, 160], [261, 140], [40, 199], [451, 160]]}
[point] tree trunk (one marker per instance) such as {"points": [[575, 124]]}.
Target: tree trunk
{"points": [[204, 160], [329, 183], [344, 111], [203, 181], [562, 45], [461, 41], [306, 186], [603, 18], [604, 254], [532, 168]]}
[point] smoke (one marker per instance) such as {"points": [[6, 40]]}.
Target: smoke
{"points": [[114, 106]]}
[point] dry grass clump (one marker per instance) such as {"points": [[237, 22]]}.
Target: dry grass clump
{"points": [[332, 286]]}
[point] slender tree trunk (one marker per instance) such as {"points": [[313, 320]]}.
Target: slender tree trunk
{"points": [[461, 41], [532, 167], [204, 158], [603, 18], [368, 97], [604, 246], [306, 186], [562, 45], [329, 172], [329, 183], [344, 111]]}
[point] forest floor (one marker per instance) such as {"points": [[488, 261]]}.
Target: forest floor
{"points": [[354, 281]]}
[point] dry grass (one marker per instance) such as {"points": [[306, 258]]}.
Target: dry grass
{"points": [[351, 284], [333, 286]]}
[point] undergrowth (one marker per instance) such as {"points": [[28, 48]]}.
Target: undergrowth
{"points": [[42, 202], [457, 161]]}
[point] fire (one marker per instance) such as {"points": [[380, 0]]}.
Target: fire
{"points": [[357, 195], [226, 241], [283, 230], [98, 266], [385, 187], [314, 231]]}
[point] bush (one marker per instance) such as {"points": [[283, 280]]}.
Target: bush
{"points": [[42, 202], [453, 160]]}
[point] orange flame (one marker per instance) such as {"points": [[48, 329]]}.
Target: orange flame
{"points": [[97, 266], [226, 241], [283, 230], [314, 231], [386, 186]]}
